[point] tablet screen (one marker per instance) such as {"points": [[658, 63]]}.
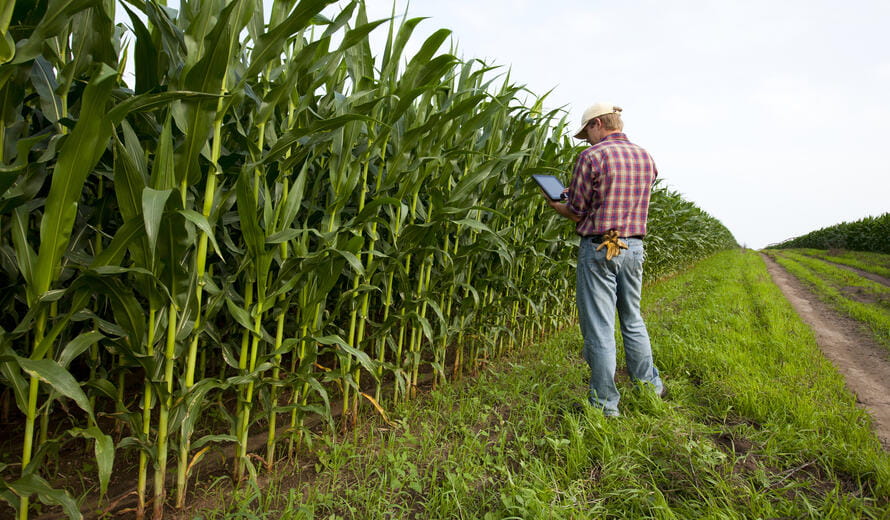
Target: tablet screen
{"points": [[551, 186]]}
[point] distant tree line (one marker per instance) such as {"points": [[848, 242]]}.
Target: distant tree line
{"points": [[868, 234]]}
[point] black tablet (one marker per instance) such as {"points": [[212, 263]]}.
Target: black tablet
{"points": [[551, 186]]}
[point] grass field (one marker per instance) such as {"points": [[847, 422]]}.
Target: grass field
{"points": [[877, 263], [757, 425], [864, 300]]}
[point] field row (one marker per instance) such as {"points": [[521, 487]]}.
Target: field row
{"points": [[867, 234], [849, 291], [876, 263], [273, 225], [758, 425]]}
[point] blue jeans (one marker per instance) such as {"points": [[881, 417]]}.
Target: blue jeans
{"points": [[602, 286]]}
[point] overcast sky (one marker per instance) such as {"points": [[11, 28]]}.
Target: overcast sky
{"points": [[773, 116]]}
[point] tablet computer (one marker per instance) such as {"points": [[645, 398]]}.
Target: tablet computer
{"points": [[551, 186]]}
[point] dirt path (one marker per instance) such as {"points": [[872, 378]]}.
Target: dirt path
{"points": [[862, 361]]}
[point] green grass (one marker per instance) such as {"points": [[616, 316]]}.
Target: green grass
{"points": [[863, 300], [758, 425], [877, 263]]}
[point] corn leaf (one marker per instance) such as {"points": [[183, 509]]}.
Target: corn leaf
{"points": [[201, 221], [44, 80], [23, 253], [78, 346], [153, 204], [270, 44], [104, 449], [163, 173], [51, 373], [7, 44], [12, 376], [57, 15], [79, 154], [31, 484]]}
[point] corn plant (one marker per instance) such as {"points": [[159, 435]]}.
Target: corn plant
{"points": [[271, 225], [867, 234]]}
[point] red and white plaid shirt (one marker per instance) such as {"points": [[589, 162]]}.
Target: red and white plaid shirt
{"points": [[610, 187]]}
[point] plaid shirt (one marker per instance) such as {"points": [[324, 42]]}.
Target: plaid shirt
{"points": [[610, 187]]}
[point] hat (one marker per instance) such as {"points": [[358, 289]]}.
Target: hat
{"points": [[593, 111]]}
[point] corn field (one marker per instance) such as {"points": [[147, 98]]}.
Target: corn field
{"points": [[273, 226], [867, 234]]}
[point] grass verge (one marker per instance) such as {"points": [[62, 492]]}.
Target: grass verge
{"points": [[859, 298], [877, 263], [758, 425]]}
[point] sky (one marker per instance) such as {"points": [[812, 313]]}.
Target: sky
{"points": [[772, 116]]}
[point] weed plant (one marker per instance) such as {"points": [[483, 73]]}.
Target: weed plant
{"points": [[757, 425]]}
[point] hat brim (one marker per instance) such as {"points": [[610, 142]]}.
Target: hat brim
{"points": [[580, 134]]}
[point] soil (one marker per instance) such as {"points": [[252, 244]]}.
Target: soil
{"points": [[863, 362], [213, 471]]}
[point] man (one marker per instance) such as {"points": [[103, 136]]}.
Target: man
{"points": [[608, 199]]}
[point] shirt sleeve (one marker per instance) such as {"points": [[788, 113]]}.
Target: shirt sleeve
{"points": [[581, 186]]}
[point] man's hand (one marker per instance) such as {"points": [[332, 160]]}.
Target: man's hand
{"points": [[561, 207]]}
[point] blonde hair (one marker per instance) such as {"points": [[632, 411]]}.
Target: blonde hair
{"points": [[612, 121]]}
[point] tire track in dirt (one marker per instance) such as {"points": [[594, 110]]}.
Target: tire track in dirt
{"points": [[860, 359]]}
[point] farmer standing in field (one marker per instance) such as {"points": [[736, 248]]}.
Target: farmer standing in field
{"points": [[608, 199]]}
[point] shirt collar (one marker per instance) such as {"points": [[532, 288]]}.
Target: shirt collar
{"points": [[618, 136]]}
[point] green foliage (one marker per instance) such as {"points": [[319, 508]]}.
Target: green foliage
{"points": [[758, 425], [679, 233], [876, 263], [867, 234], [859, 298], [260, 219]]}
